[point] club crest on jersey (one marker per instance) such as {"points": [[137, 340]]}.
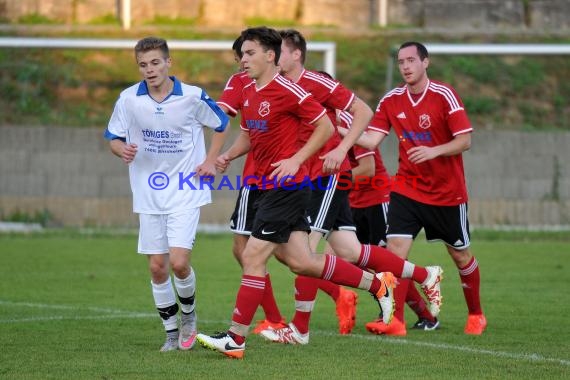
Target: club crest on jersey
{"points": [[425, 121], [264, 108]]}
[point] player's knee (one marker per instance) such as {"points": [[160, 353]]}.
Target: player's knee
{"points": [[460, 257], [181, 268], [348, 254], [158, 272], [305, 266], [398, 248]]}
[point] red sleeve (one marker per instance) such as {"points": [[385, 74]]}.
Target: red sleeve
{"points": [[380, 121], [457, 119], [310, 110], [233, 94], [341, 98], [360, 152]]}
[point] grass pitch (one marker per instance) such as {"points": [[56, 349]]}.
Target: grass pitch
{"points": [[76, 306]]}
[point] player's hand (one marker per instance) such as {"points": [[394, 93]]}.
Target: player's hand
{"points": [[419, 154], [129, 152], [206, 169], [222, 163], [284, 168], [332, 160]]}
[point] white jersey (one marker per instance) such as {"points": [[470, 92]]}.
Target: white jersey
{"points": [[170, 140]]}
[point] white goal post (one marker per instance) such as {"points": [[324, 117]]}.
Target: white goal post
{"points": [[327, 48]]}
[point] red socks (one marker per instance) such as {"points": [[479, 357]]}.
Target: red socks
{"points": [[470, 282], [342, 272], [416, 302], [380, 259], [305, 294], [268, 303], [249, 297]]}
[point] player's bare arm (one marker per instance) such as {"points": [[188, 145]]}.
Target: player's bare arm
{"points": [[208, 167], [365, 168], [369, 139], [288, 167], [123, 150], [240, 146], [458, 145], [362, 114]]}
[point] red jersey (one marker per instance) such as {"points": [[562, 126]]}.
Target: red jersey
{"points": [[273, 115], [433, 119], [332, 95], [372, 193], [232, 98], [233, 92], [377, 191]]}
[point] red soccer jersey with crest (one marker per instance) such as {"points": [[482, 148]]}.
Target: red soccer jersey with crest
{"points": [[332, 95], [378, 189], [273, 115], [433, 119], [232, 98]]}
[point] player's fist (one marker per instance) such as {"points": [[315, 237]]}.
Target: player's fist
{"points": [[222, 163], [129, 153]]}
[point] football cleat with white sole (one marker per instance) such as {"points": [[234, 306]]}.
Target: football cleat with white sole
{"points": [[432, 289], [385, 295], [187, 337], [265, 324], [223, 343], [286, 335]]}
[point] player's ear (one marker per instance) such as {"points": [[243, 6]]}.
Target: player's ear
{"points": [[426, 62], [271, 56], [297, 54]]}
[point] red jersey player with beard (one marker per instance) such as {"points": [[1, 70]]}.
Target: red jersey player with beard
{"points": [[433, 130]]}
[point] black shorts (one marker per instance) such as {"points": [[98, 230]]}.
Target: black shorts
{"points": [[440, 223], [279, 212], [371, 223], [329, 209], [241, 221]]}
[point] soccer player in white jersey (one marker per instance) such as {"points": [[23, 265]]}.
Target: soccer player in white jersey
{"points": [[157, 129], [433, 131]]}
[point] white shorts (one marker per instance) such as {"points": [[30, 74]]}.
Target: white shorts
{"points": [[159, 232]]}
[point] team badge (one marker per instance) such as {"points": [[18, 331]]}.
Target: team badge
{"points": [[264, 108], [425, 121]]}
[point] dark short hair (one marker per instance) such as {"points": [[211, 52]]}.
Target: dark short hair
{"points": [[236, 47], [422, 50], [294, 39], [152, 43], [268, 38]]}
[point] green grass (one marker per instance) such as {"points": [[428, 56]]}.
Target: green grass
{"points": [[79, 306]]}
